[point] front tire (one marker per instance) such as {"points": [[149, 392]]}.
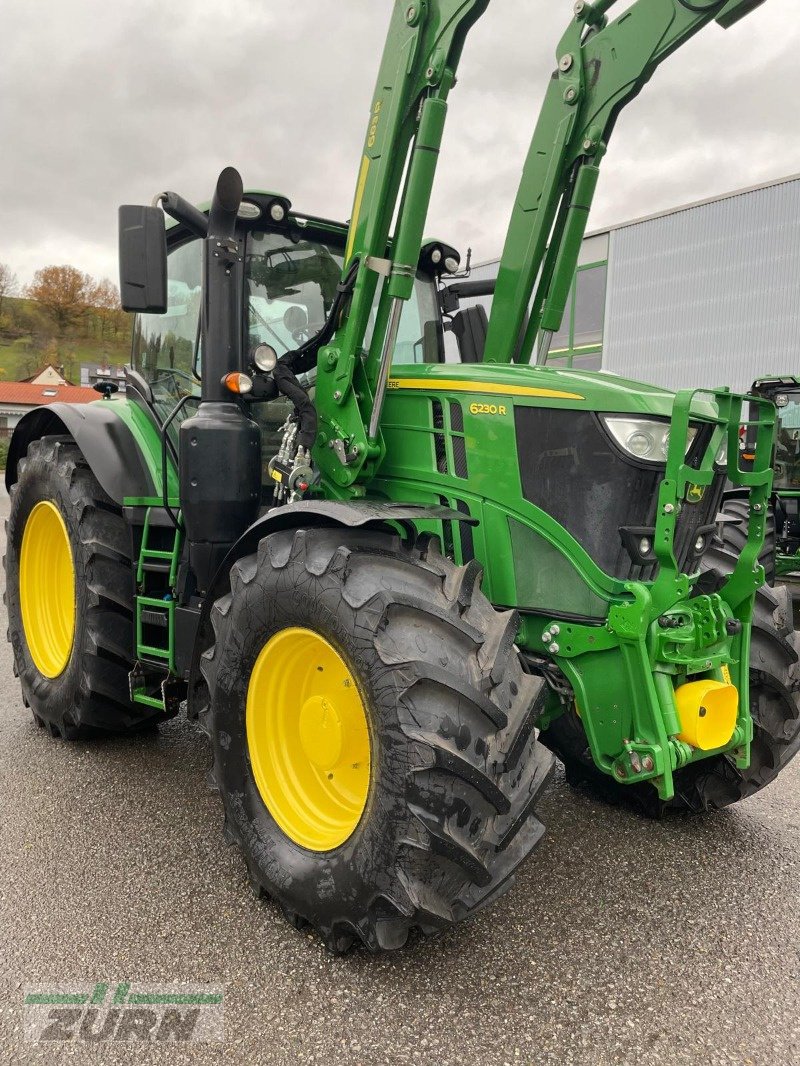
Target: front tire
{"points": [[69, 593], [447, 813]]}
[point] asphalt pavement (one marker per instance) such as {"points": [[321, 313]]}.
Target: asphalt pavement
{"points": [[622, 941]]}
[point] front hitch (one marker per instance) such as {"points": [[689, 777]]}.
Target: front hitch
{"points": [[666, 681]]}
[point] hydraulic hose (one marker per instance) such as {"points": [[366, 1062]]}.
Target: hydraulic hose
{"points": [[304, 357], [290, 387]]}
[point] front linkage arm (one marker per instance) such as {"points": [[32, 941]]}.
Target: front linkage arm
{"points": [[602, 66]]}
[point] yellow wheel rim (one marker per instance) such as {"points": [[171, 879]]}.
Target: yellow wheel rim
{"points": [[47, 589], [308, 739]]}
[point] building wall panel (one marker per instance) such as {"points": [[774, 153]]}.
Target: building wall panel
{"points": [[709, 295]]}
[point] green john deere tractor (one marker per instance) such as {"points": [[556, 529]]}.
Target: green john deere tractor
{"points": [[386, 583]]}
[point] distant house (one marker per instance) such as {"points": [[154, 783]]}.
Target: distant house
{"points": [[93, 372], [19, 397], [51, 375]]}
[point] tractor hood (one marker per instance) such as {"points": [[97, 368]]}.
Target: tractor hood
{"points": [[543, 386]]}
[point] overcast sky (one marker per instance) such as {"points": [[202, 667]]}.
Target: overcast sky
{"points": [[109, 101]]}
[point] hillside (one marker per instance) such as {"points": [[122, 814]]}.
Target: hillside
{"points": [[29, 339]]}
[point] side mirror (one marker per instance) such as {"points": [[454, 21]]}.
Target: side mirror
{"points": [[142, 259], [470, 327]]}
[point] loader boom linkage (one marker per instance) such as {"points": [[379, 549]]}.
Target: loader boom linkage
{"points": [[601, 66], [403, 137]]}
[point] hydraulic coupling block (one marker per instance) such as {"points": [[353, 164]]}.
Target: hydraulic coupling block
{"points": [[291, 468]]}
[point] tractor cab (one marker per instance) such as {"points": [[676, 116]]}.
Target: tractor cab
{"points": [[290, 272]]}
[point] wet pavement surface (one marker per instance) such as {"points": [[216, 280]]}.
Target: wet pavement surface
{"points": [[622, 941]]}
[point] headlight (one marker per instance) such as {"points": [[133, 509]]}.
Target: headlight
{"points": [[265, 358], [644, 438]]}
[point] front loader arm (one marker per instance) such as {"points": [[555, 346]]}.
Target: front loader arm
{"points": [[404, 133], [601, 67]]}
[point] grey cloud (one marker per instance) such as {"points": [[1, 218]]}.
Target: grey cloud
{"points": [[102, 104]]}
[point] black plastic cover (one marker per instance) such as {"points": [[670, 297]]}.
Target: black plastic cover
{"points": [[220, 473], [107, 444]]}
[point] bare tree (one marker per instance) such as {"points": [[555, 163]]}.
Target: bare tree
{"points": [[106, 306], [8, 283]]}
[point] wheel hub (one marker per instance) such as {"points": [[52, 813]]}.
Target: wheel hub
{"points": [[321, 732], [47, 589], [308, 739]]}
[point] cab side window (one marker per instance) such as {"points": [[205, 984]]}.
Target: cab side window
{"points": [[419, 338], [290, 286], [164, 346]]}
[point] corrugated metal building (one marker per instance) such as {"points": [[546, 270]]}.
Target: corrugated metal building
{"points": [[705, 294]]}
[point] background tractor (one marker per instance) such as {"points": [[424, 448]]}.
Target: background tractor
{"points": [[780, 555], [385, 584]]}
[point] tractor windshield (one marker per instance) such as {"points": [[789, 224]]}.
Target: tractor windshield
{"points": [[787, 446], [291, 286]]}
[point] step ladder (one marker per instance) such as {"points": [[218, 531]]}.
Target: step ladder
{"points": [[156, 575]]}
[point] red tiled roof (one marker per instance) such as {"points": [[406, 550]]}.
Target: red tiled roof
{"points": [[23, 393]]}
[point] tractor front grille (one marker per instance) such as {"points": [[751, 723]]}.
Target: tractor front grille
{"points": [[570, 468]]}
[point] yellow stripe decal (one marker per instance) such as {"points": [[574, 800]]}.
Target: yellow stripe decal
{"points": [[362, 183], [440, 385]]}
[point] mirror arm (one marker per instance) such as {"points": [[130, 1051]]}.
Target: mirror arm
{"points": [[183, 212]]}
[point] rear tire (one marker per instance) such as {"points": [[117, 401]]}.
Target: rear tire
{"points": [[774, 704], [90, 696], [455, 765]]}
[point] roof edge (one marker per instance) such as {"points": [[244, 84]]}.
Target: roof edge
{"points": [[718, 198]]}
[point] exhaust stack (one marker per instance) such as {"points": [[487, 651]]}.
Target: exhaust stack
{"points": [[220, 446]]}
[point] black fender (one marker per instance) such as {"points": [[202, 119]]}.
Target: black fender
{"points": [[107, 444], [309, 514]]}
